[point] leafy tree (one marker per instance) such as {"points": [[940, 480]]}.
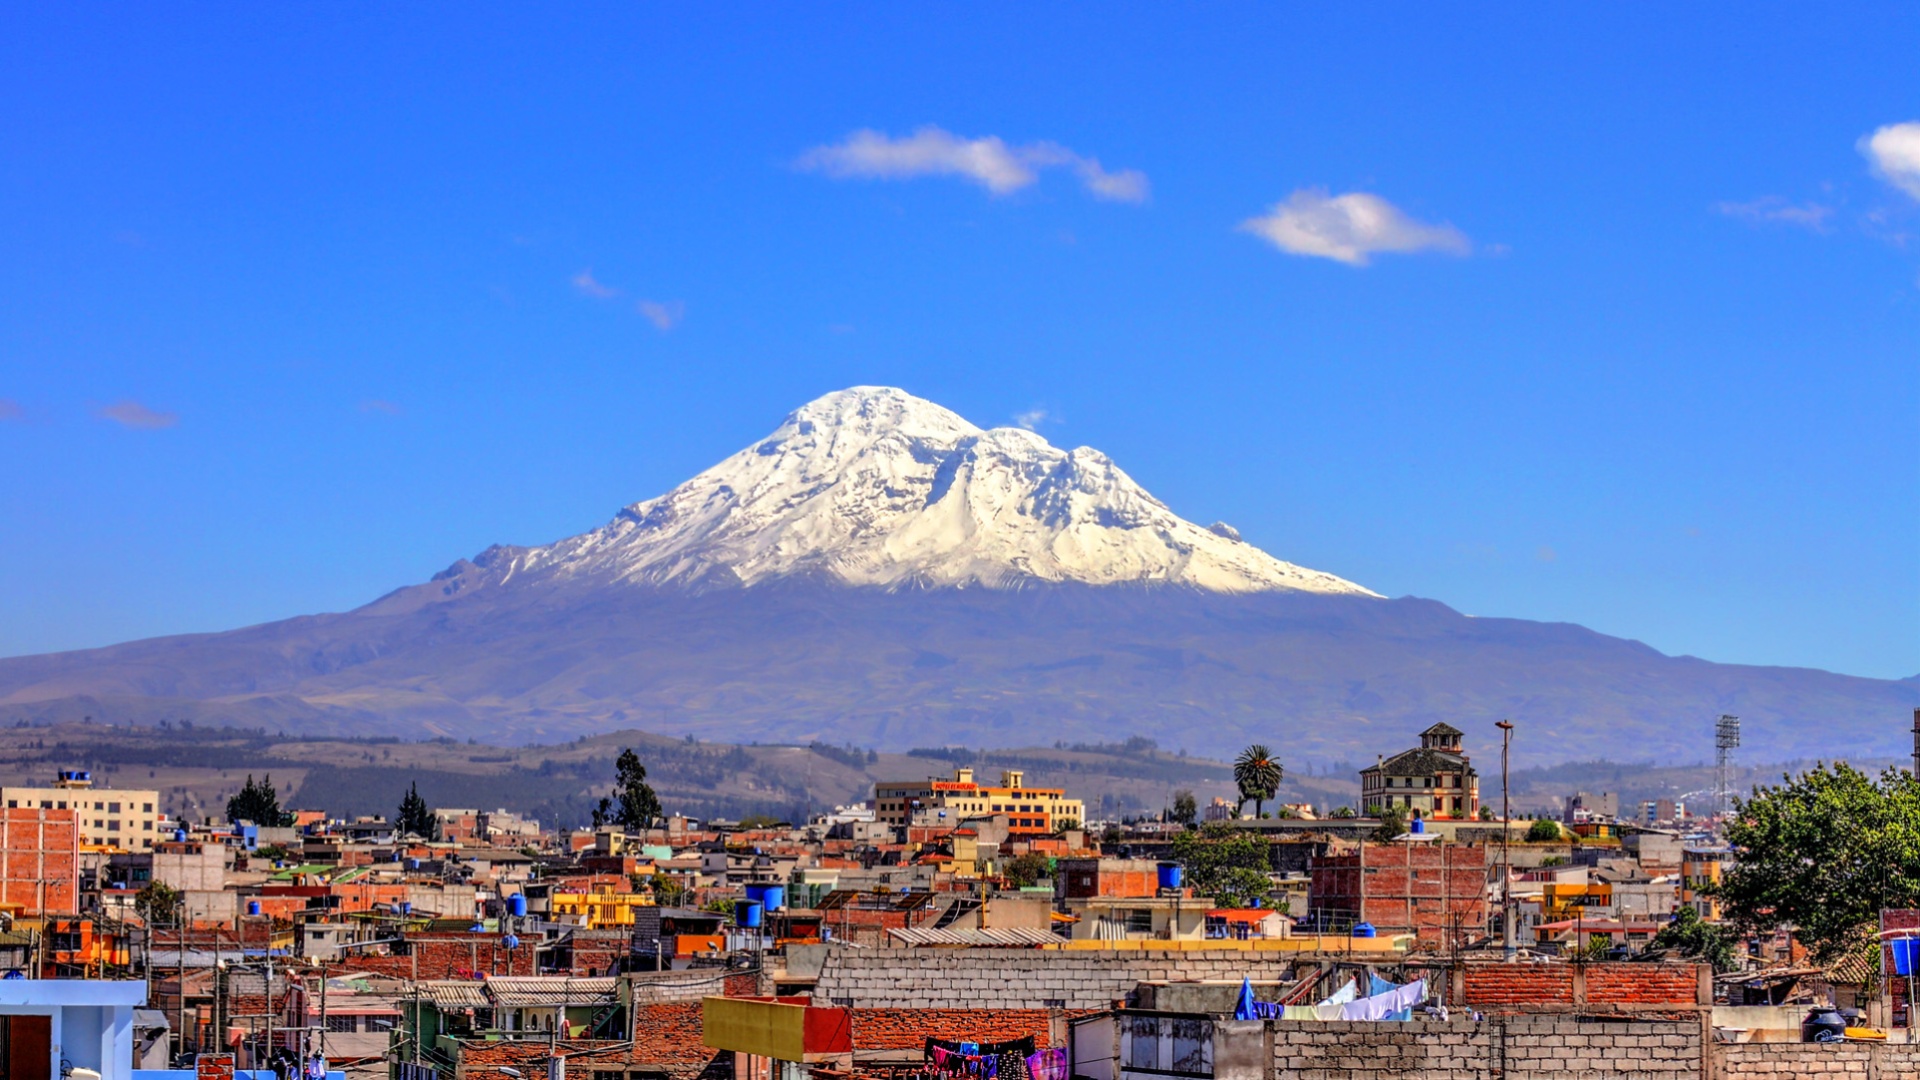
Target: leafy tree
{"points": [[1824, 853], [258, 803], [1065, 825], [759, 821], [1258, 775], [1228, 864], [602, 812], [158, 904], [638, 807], [270, 852], [1345, 812], [1024, 870], [1695, 938], [1599, 946], [1393, 823], [1543, 831], [1185, 808], [1486, 813], [414, 816]]}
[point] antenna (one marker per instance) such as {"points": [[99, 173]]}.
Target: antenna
{"points": [[1726, 738]]}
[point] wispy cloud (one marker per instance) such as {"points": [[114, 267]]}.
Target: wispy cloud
{"points": [[584, 281], [1349, 228], [1774, 210], [378, 405], [1894, 151], [987, 161], [11, 410], [132, 414], [1030, 419], [663, 314]]}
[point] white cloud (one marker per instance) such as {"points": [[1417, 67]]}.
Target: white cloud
{"points": [[1349, 228], [1774, 209], [1894, 151], [1030, 419], [584, 281], [132, 414], [987, 161], [664, 315]]}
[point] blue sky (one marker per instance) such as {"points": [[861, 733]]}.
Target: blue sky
{"points": [[1606, 316]]}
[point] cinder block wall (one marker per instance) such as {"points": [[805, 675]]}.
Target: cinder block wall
{"points": [[1779, 1061], [1018, 979], [1520, 1048]]}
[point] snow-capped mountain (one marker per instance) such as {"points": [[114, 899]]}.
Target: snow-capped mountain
{"points": [[873, 486]]}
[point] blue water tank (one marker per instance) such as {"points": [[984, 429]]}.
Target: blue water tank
{"points": [[1418, 827], [517, 905], [770, 897], [746, 913], [406, 907], [1906, 955], [511, 941], [1171, 875], [413, 864], [253, 907], [179, 836], [1364, 929]]}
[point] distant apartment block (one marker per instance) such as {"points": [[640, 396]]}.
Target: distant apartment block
{"points": [[1030, 811], [108, 817]]}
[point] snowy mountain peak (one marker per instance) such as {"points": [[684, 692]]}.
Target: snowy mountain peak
{"points": [[873, 486]]}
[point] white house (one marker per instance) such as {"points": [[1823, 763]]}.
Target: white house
{"points": [[82, 1023]]}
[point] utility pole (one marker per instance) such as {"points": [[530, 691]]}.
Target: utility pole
{"points": [[1726, 739], [1916, 743], [1506, 843]]}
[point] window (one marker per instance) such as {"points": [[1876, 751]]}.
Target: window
{"points": [[113, 825], [113, 808], [342, 1025], [1143, 1050], [1139, 921], [146, 808]]}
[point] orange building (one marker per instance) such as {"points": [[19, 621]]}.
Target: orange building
{"points": [[1030, 811]]}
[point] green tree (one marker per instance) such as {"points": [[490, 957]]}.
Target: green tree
{"points": [[1228, 864], [1543, 831], [602, 812], [638, 807], [1694, 938], [1344, 812], [158, 904], [1824, 853], [1186, 809], [1393, 823], [1258, 775], [414, 816], [258, 803], [1025, 870]]}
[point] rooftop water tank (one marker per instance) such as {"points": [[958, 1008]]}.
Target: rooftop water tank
{"points": [[746, 914], [1172, 874], [517, 906], [253, 907], [770, 897], [1363, 929]]}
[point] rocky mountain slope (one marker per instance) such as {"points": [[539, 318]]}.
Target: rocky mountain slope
{"points": [[879, 571]]}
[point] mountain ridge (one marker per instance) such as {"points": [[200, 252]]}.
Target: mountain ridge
{"points": [[869, 574]]}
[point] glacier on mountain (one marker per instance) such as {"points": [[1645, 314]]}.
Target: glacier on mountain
{"points": [[872, 486]]}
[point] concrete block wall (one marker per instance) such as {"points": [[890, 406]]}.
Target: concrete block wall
{"points": [[1782, 1061], [1018, 979], [1522, 1048]]}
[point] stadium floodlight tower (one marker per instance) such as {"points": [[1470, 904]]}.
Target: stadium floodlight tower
{"points": [[1726, 739]]}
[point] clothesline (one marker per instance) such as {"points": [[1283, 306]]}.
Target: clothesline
{"points": [[1384, 1001]]}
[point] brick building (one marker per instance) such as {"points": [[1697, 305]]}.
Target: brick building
{"points": [[108, 817], [1434, 781], [1435, 891], [40, 860]]}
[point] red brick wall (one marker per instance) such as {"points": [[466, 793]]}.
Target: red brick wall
{"points": [[214, 1067], [1642, 984], [446, 956], [668, 1034], [909, 1029], [1544, 987], [1427, 890], [40, 860]]}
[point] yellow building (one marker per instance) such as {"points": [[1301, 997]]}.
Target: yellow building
{"points": [[1700, 868], [1030, 811], [109, 817], [604, 908], [1571, 900]]}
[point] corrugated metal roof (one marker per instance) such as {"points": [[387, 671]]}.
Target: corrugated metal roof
{"points": [[996, 937], [533, 991], [458, 995]]}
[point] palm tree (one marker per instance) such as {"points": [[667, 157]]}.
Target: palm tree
{"points": [[1258, 775]]}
